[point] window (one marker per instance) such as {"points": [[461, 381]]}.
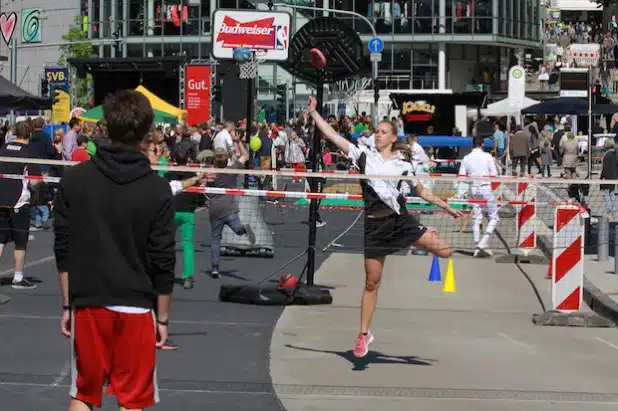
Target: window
{"points": [[501, 18], [347, 5], [402, 58], [136, 18], [387, 58], [482, 10]]}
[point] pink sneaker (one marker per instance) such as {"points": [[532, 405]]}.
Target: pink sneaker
{"points": [[362, 344]]}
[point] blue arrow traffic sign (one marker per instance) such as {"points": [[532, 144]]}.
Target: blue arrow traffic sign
{"points": [[376, 45]]}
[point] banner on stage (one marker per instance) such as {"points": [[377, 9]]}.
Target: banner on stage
{"points": [[197, 94]]}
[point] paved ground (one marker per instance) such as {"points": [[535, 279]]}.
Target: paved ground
{"points": [[224, 348], [476, 349]]}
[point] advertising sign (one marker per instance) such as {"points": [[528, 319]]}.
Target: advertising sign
{"points": [[517, 84], [421, 110], [255, 30], [197, 94], [59, 86], [574, 82], [584, 54]]}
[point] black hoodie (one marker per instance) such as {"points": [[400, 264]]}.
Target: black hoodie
{"points": [[114, 227]]}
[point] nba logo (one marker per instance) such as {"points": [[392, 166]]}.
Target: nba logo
{"points": [[281, 38]]}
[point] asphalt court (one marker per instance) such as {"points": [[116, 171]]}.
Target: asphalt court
{"points": [[223, 360]]}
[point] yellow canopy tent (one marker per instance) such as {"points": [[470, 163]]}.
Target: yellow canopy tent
{"points": [[159, 104]]}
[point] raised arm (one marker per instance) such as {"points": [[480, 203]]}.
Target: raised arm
{"points": [[244, 156], [327, 131]]}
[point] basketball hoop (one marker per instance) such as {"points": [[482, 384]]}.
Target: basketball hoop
{"points": [[249, 69]]}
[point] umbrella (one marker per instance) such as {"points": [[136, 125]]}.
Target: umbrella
{"points": [[569, 105], [14, 98], [96, 113]]}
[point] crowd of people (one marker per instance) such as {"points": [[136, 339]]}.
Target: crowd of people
{"points": [[564, 34]]}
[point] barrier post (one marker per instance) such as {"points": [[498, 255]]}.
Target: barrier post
{"points": [[615, 250], [526, 217], [568, 259], [603, 239]]}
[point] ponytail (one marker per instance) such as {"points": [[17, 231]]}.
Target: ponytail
{"points": [[404, 150]]}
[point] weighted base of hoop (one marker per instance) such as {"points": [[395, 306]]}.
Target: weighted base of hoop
{"points": [[272, 294]]}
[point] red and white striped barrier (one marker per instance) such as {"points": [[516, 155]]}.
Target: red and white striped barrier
{"points": [[335, 196], [526, 216], [496, 189], [568, 259], [305, 170], [303, 195], [30, 178]]}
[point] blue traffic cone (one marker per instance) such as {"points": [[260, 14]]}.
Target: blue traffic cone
{"points": [[434, 273]]}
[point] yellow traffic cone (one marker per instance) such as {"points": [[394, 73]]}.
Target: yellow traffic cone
{"points": [[449, 278]]}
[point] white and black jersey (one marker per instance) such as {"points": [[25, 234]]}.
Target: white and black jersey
{"points": [[379, 194], [385, 233]]}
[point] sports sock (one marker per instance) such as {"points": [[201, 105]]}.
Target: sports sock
{"points": [[18, 276]]}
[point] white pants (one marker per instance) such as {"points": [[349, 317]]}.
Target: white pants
{"points": [[483, 192], [422, 170]]}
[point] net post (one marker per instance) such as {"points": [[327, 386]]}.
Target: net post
{"points": [[615, 251], [313, 207], [249, 121], [603, 239]]}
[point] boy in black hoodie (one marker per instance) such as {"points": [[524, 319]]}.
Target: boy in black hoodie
{"points": [[116, 216]]}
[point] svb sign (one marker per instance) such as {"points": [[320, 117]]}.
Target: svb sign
{"points": [[58, 79], [197, 94]]}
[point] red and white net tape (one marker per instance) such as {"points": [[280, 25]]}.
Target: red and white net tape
{"points": [[344, 196], [30, 178], [309, 174], [298, 194]]}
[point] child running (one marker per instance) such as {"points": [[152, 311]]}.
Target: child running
{"points": [[184, 206], [223, 208], [388, 226]]}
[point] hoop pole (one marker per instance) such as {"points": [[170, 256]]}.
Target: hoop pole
{"points": [[313, 206], [250, 82]]}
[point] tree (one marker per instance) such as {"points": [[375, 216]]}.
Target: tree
{"points": [[83, 49]]}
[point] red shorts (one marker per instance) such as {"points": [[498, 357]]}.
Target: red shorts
{"points": [[117, 349]]}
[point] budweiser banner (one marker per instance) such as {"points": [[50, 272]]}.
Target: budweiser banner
{"points": [[584, 55], [255, 30], [197, 94]]}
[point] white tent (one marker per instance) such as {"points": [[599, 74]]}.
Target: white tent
{"points": [[508, 107], [504, 108]]}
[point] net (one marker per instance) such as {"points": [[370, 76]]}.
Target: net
{"points": [[249, 69], [236, 225], [505, 215]]}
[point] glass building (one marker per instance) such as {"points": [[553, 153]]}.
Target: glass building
{"points": [[430, 44]]}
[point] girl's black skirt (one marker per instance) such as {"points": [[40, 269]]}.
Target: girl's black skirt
{"points": [[390, 234]]}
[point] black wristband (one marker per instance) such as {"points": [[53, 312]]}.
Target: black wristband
{"points": [[164, 323], [66, 308]]}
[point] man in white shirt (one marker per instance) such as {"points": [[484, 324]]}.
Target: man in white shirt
{"points": [[420, 160], [223, 139], [481, 164]]}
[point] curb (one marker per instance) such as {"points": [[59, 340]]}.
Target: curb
{"points": [[596, 300]]}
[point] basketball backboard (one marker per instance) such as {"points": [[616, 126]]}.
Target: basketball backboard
{"points": [[256, 30]]}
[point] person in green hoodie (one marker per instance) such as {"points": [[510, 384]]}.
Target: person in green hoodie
{"points": [[185, 205]]}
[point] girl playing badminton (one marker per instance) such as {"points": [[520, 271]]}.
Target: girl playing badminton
{"points": [[388, 226]]}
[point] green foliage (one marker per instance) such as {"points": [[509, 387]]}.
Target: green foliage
{"points": [[83, 49], [606, 3]]}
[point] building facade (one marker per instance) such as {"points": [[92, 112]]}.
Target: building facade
{"points": [[430, 44], [38, 26]]}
